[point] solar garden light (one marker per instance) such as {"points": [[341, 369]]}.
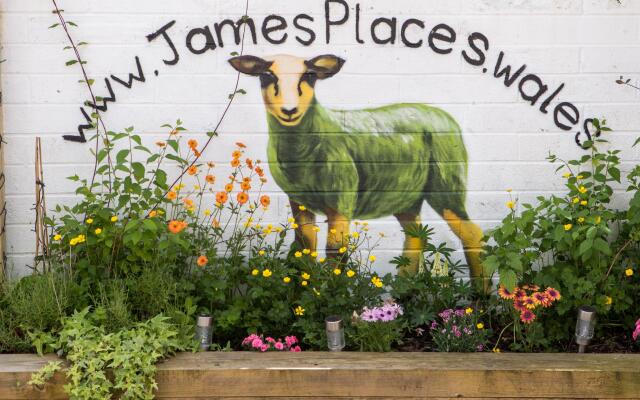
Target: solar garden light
{"points": [[585, 326], [204, 331], [335, 333]]}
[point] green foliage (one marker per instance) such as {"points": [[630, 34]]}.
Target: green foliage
{"points": [[459, 331], [567, 242], [436, 286], [103, 364]]}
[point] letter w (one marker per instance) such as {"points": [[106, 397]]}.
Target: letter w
{"points": [[132, 77], [506, 71]]}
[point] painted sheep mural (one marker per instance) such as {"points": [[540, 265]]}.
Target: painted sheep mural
{"points": [[360, 164]]}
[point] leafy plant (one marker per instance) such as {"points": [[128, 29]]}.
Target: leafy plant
{"points": [[104, 365], [436, 286], [459, 330], [378, 328]]}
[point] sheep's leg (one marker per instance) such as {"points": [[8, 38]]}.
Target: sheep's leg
{"points": [[338, 235], [471, 236], [306, 236], [412, 245]]}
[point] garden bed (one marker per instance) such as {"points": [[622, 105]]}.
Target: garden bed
{"points": [[243, 375]]}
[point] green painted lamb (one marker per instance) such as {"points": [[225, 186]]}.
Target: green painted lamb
{"points": [[360, 164]]}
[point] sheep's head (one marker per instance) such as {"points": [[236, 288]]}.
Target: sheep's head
{"points": [[288, 82]]}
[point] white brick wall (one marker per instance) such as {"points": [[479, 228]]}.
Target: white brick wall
{"points": [[586, 44]]}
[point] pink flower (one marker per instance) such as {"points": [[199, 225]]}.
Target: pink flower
{"points": [[256, 343], [264, 347], [271, 340], [279, 346], [636, 333], [290, 340], [296, 349]]}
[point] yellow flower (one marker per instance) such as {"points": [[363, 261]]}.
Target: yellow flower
{"points": [[337, 271], [496, 350], [567, 227], [89, 221], [98, 231], [584, 203], [306, 251], [294, 226], [286, 279], [575, 200], [342, 250], [355, 235], [566, 175], [305, 276], [299, 311], [582, 189], [333, 231], [511, 205], [372, 258], [581, 219], [322, 260], [480, 325], [314, 254], [468, 310], [114, 218], [304, 283], [81, 238], [297, 254], [261, 252], [255, 272], [628, 272], [73, 241], [207, 212], [377, 282], [350, 273], [302, 208], [57, 237], [266, 273], [291, 220]]}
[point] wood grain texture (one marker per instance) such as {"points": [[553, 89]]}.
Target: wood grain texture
{"points": [[241, 375]]}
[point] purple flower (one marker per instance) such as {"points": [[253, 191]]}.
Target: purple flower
{"points": [[480, 347], [434, 325], [459, 312], [467, 330]]}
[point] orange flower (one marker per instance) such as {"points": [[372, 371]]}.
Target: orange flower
{"points": [[196, 153], [241, 145], [265, 201], [236, 154], [259, 171], [192, 143], [188, 203], [192, 170], [176, 226], [228, 187], [160, 144], [173, 132], [210, 164], [221, 197], [249, 163], [153, 213], [210, 179], [246, 179], [202, 261], [505, 293], [242, 197], [235, 163], [245, 186], [172, 195], [215, 223]]}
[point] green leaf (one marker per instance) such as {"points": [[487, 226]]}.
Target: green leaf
{"points": [[71, 62], [508, 279], [121, 157], [602, 246]]}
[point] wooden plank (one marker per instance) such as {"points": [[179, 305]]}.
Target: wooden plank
{"points": [[241, 375]]}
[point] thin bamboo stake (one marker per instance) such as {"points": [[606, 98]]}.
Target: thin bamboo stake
{"points": [[3, 204], [42, 234]]}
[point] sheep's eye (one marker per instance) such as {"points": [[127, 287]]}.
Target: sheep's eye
{"points": [[267, 79], [308, 77]]}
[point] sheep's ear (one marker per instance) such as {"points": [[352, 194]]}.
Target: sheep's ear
{"points": [[250, 65], [325, 66]]}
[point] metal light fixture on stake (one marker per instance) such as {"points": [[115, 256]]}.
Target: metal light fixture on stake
{"points": [[204, 331], [335, 333], [585, 326]]}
